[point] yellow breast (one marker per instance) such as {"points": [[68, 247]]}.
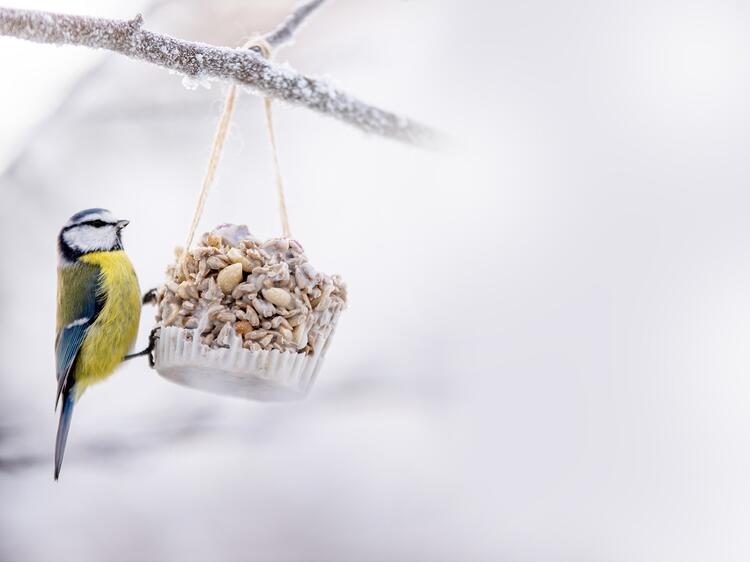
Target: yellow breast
{"points": [[113, 333]]}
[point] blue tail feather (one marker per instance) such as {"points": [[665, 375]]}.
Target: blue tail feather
{"points": [[66, 415]]}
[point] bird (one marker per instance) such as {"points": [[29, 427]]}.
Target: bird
{"points": [[98, 309]]}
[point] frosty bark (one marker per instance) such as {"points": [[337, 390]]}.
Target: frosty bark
{"points": [[245, 67], [285, 31]]}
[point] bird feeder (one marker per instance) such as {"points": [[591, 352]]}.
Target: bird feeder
{"points": [[246, 318], [242, 317]]}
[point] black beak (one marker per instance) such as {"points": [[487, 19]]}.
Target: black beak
{"points": [[122, 224]]}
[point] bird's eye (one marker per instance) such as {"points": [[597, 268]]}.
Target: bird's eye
{"points": [[96, 223]]}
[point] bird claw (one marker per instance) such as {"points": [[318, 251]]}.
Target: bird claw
{"points": [[150, 296], [152, 337]]}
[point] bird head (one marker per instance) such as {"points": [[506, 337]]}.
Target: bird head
{"points": [[92, 230]]}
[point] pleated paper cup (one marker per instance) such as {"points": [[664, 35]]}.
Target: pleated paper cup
{"points": [[266, 375]]}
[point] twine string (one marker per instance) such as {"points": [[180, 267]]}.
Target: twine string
{"points": [[217, 147], [277, 170]]}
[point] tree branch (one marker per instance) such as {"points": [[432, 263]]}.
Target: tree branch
{"points": [[246, 67], [285, 31]]}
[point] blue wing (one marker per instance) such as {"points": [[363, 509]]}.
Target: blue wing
{"points": [[79, 301]]}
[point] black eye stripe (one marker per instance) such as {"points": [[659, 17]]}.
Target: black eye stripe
{"points": [[95, 223]]}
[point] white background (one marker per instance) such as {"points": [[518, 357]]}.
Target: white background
{"points": [[545, 355]]}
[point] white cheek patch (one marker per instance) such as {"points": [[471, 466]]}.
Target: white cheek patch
{"points": [[87, 238]]}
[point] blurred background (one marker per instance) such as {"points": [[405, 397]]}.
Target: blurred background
{"points": [[545, 354]]}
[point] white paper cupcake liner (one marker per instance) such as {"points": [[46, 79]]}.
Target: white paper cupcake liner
{"points": [[235, 371]]}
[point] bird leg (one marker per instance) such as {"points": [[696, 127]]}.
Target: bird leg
{"points": [[152, 337], [150, 296]]}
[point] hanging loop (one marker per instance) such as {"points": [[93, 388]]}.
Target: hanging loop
{"points": [[261, 46]]}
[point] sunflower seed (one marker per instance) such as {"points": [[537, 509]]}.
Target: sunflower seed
{"points": [[229, 277], [215, 262], [236, 255], [277, 296]]}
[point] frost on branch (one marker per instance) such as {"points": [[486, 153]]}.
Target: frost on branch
{"points": [[200, 61]]}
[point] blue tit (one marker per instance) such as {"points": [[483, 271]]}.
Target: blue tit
{"points": [[98, 309]]}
